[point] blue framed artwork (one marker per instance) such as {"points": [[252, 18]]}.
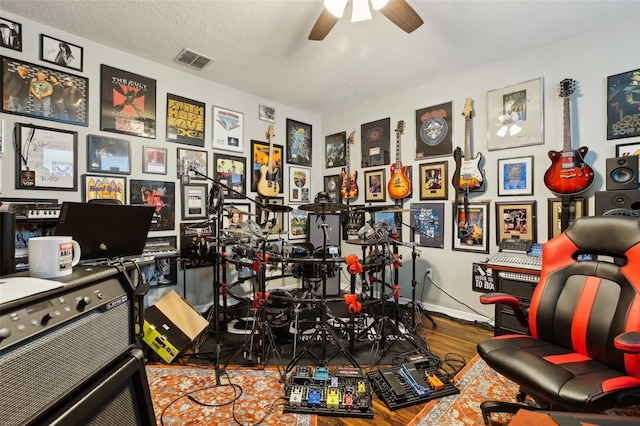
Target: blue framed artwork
{"points": [[515, 176]]}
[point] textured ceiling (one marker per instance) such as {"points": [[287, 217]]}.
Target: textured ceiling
{"points": [[261, 46]]}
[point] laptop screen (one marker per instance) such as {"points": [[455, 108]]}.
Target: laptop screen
{"points": [[105, 230]]}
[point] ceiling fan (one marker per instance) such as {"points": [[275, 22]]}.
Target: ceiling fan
{"points": [[397, 11]]}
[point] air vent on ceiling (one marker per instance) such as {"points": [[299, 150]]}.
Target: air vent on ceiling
{"points": [[193, 59]]}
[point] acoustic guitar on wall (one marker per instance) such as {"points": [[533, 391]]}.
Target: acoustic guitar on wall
{"points": [[568, 174], [349, 188], [468, 176], [268, 185], [399, 185]]}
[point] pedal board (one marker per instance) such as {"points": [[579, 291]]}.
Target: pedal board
{"points": [[345, 393], [413, 382]]}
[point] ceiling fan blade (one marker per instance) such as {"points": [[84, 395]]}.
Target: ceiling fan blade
{"points": [[326, 21], [400, 13]]}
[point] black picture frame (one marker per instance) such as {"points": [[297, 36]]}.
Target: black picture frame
{"points": [[376, 141], [231, 170], [186, 120], [299, 143], [427, 223], [127, 103], [332, 186], [335, 150], [622, 105], [260, 157], [108, 155], [194, 201], [10, 34], [61, 53], [46, 158], [471, 234], [434, 131], [159, 194], [73, 91]]}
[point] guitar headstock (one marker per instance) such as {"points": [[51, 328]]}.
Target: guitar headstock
{"points": [[468, 109], [270, 133], [350, 138], [400, 127], [567, 87]]}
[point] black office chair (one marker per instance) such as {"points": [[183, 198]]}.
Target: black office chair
{"points": [[582, 353]]}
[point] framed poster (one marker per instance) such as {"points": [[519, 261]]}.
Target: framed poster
{"points": [[11, 33], [46, 158], [227, 129], [577, 209], [434, 131], [127, 103], [194, 247], [335, 150], [623, 96], [389, 223], [332, 185], [154, 160], [108, 155], [375, 139], [516, 220], [515, 116], [299, 143], [471, 227], [232, 172], [260, 156], [434, 181], [515, 176], [298, 223], [375, 185], [271, 223], [239, 213], [61, 53], [185, 120], [267, 113], [64, 97], [197, 159], [427, 224], [194, 201], [352, 220], [104, 187], [160, 195], [299, 184]]}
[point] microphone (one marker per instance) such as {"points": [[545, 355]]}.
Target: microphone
{"points": [[185, 177]]}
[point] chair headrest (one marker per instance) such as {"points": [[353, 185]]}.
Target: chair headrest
{"points": [[604, 234]]}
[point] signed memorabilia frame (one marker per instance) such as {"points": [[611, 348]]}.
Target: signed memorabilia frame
{"points": [[299, 184], [474, 236], [427, 223], [434, 131], [101, 187], [577, 209], [108, 155], [231, 171], [51, 49], [375, 185], [516, 220], [228, 128], [193, 158], [515, 176], [154, 160], [434, 181], [194, 201]]}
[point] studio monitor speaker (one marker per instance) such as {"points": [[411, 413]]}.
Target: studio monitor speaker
{"points": [[622, 173], [609, 200]]}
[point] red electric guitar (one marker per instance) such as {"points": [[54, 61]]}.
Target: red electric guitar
{"points": [[399, 185], [568, 174]]}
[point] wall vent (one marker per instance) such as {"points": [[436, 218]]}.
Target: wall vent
{"points": [[193, 59]]}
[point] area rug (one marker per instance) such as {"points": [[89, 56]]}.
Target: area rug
{"points": [[478, 382], [188, 396]]}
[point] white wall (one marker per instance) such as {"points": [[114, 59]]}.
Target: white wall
{"points": [[588, 58]]}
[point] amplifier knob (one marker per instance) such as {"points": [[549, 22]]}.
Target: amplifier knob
{"points": [[45, 319], [82, 303], [4, 333]]}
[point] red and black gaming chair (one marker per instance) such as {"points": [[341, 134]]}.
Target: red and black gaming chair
{"points": [[582, 353]]}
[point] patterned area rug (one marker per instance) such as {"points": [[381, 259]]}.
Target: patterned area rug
{"points": [[176, 389], [478, 382]]}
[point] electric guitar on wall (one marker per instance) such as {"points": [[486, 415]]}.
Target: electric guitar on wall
{"points": [[268, 185], [349, 188], [568, 173], [468, 176], [399, 185]]}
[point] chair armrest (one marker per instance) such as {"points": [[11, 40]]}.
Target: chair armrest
{"points": [[628, 342], [509, 300]]}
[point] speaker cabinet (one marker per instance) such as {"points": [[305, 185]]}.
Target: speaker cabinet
{"points": [[622, 173], [609, 200]]}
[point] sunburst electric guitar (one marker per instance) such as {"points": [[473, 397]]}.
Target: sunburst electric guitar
{"points": [[468, 176], [268, 185], [399, 185], [568, 174], [349, 188]]}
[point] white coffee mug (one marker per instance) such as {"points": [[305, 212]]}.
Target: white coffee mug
{"points": [[52, 257]]}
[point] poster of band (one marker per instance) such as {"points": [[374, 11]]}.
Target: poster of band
{"points": [[128, 103], [160, 195], [427, 224], [185, 120], [195, 246], [623, 105], [335, 150], [434, 131]]}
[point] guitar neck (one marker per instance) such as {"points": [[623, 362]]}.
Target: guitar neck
{"points": [[467, 138], [398, 163], [567, 125]]}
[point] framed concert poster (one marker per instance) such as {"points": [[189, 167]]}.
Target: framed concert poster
{"points": [[375, 185], [515, 116], [194, 245], [46, 158], [623, 96], [516, 220], [61, 53], [434, 131], [515, 176], [299, 184], [298, 223], [104, 187], [434, 181], [299, 143], [260, 156], [108, 155], [185, 120], [158, 194], [335, 150], [471, 227], [332, 186], [271, 223], [192, 158], [194, 201], [427, 224], [154, 160], [577, 209], [227, 129], [232, 172], [11, 34], [75, 106], [127, 103], [375, 140]]}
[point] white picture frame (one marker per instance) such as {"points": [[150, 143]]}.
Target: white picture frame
{"points": [[228, 127]]}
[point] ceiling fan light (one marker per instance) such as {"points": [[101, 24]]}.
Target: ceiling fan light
{"points": [[335, 7], [360, 10], [378, 4]]}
